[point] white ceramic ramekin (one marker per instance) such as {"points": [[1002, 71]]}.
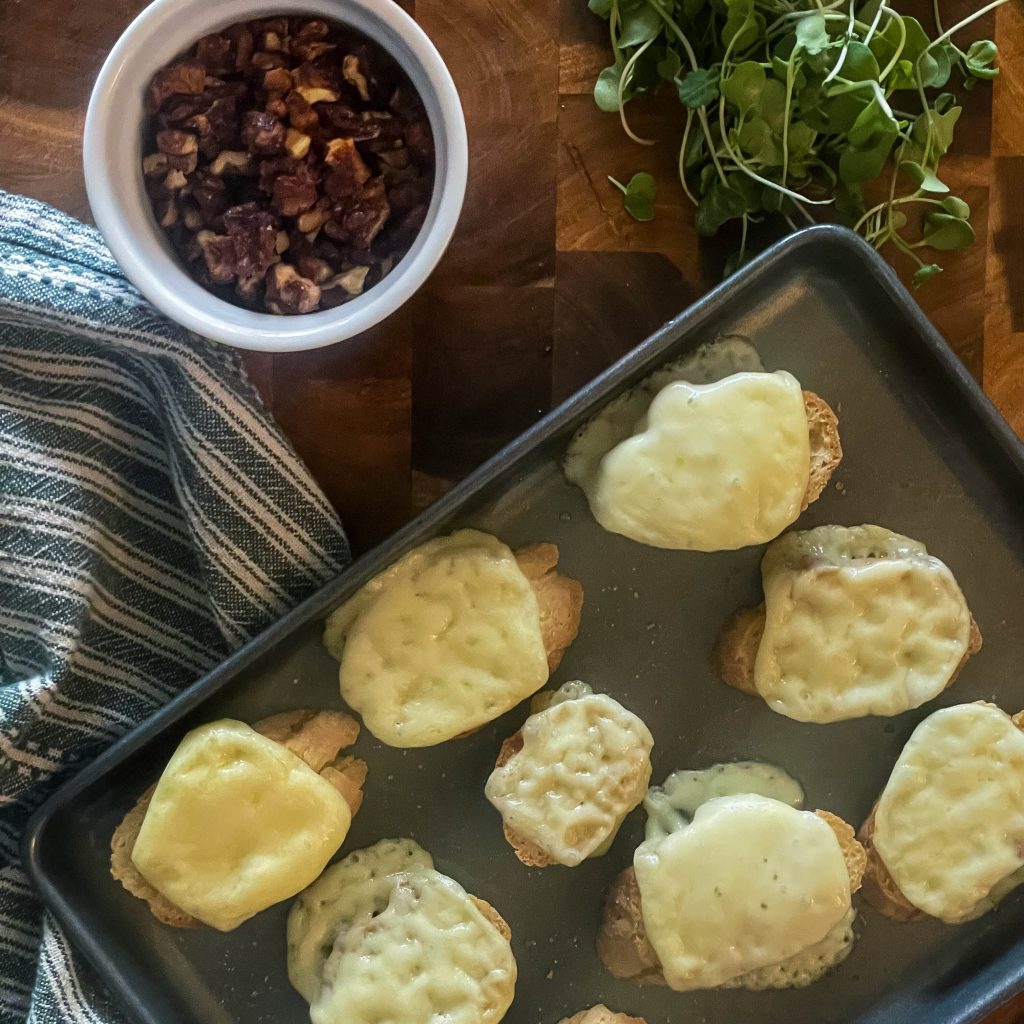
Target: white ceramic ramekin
{"points": [[114, 181]]}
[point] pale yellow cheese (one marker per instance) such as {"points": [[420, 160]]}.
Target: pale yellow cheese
{"points": [[748, 884], [618, 419], [803, 968], [950, 822], [447, 639], [237, 823], [420, 952], [351, 891], [672, 805], [858, 621], [584, 765], [710, 467]]}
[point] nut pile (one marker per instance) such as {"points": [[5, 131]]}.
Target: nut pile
{"points": [[289, 161]]}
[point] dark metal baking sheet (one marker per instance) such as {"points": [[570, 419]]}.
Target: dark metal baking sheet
{"points": [[926, 454]]}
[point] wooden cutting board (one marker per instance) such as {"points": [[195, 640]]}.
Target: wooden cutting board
{"points": [[547, 280]]}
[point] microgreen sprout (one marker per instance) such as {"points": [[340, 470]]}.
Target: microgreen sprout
{"points": [[796, 109]]}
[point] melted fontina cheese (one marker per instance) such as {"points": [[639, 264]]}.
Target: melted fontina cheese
{"points": [[950, 823], [858, 621], [400, 946], [447, 639], [709, 467], [237, 823], [749, 883], [584, 765]]}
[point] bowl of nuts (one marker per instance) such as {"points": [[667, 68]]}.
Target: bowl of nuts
{"points": [[276, 183]]}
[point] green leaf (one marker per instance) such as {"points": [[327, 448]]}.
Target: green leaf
{"points": [[914, 171], [639, 25], [981, 58], [869, 144], [801, 140], [929, 270], [944, 232], [670, 65], [606, 88], [744, 86], [885, 42], [743, 25], [602, 8], [638, 195], [956, 207], [718, 205], [759, 143], [698, 88], [772, 104], [812, 33], [945, 56]]}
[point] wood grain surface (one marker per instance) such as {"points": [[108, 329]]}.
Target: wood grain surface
{"points": [[547, 280]]}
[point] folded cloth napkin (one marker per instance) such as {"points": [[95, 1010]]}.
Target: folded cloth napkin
{"points": [[152, 519]]}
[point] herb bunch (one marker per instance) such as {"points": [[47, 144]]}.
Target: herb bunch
{"points": [[794, 109]]}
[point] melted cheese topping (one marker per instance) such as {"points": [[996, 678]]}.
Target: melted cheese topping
{"points": [[237, 823], [950, 823], [858, 621], [584, 765], [750, 883], [672, 805], [447, 639], [618, 419], [711, 467], [429, 956], [353, 890], [806, 967]]}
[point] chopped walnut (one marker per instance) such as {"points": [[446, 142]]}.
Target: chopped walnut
{"points": [[219, 253], [288, 292], [301, 115], [186, 78], [354, 76], [180, 148], [280, 150], [231, 162], [262, 132], [294, 193], [297, 143]]}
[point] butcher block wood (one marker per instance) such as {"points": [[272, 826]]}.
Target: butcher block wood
{"points": [[547, 280]]}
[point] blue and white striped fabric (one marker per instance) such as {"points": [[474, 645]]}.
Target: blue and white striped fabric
{"points": [[152, 519]]}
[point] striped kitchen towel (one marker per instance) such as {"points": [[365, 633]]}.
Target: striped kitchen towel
{"points": [[152, 519]]}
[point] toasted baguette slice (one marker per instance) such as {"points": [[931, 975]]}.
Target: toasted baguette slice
{"points": [[735, 650], [600, 1014], [826, 450], [318, 737], [622, 939], [880, 888], [528, 852], [559, 597], [494, 917]]}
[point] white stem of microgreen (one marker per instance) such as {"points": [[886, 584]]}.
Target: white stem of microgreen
{"points": [[901, 201], [691, 56], [623, 79], [750, 173], [846, 46], [682, 157], [883, 75], [786, 115], [618, 184], [874, 24], [936, 17], [964, 23]]}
